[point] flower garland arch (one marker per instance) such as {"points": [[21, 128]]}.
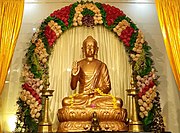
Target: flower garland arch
{"points": [[35, 70]]}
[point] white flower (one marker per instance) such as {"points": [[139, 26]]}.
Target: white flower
{"points": [[147, 94], [150, 78], [147, 82], [148, 108], [41, 87], [151, 105], [154, 76], [38, 83], [142, 108], [23, 130], [35, 111], [142, 80], [44, 60], [143, 85], [33, 115], [23, 98], [148, 101], [27, 93], [144, 98], [154, 87], [33, 100], [140, 101], [145, 113], [141, 114], [140, 89], [31, 106], [150, 90], [28, 102], [39, 107], [29, 97], [37, 115], [38, 90], [135, 59], [36, 104], [138, 83], [75, 24], [145, 104], [138, 77], [132, 56], [22, 123]]}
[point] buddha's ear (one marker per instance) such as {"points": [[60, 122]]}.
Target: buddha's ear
{"points": [[82, 52], [82, 49], [96, 52], [97, 49]]}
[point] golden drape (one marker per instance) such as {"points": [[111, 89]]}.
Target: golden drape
{"points": [[11, 12], [169, 18]]}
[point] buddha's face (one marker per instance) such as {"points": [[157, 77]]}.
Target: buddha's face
{"points": [[90, 49]]}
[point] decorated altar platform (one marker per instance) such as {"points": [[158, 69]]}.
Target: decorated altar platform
{"points": [[114, 132]]}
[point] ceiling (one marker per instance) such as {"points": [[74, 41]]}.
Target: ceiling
{"points": [[104, 1]]}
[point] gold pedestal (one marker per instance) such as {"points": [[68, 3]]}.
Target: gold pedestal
{"points": [[135, 125], [45, 125], [80, 119]]}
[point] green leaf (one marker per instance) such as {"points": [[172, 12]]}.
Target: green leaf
{"points": [[149, 61], [87, 12], [35, 67], [30, 122], [119, 19], [30, 53], [133, 40], [71, 15], [148, 120], [146, 47]]}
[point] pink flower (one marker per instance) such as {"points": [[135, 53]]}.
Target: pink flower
{"points": [[93, 105]]}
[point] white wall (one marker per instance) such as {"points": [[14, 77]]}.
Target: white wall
{"points": [[143, 13]]}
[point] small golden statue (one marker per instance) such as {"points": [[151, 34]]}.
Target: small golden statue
{"points": [[95, 123], [93, 96]]}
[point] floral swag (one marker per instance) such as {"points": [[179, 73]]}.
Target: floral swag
{"points": [[35, 71]]}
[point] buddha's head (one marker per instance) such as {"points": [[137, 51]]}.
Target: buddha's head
{"points": [[90, 47]]}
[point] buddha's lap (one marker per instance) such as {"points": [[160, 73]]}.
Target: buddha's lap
{"points": [[89, 100]]}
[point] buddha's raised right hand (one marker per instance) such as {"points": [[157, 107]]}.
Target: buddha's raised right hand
{"points": [[75, 68]]}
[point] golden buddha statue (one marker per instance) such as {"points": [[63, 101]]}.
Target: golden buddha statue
{"points": [[93, 95]]}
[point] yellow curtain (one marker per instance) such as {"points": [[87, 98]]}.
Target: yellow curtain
{"points": [[169, 18], [11, 12]]}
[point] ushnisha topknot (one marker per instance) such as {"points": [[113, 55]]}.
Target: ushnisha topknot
{"points": [[89, 39]]}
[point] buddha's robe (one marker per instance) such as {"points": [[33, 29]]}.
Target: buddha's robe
{"points": [[92, 75]]}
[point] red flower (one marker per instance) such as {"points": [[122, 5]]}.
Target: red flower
{"points": [[112, 13], [27, 87], [126, 35], [32, 91], [151, 84], [146, 88], [62, 14], [36, 96], [140, 94], [39, 101], [50, 35]]}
